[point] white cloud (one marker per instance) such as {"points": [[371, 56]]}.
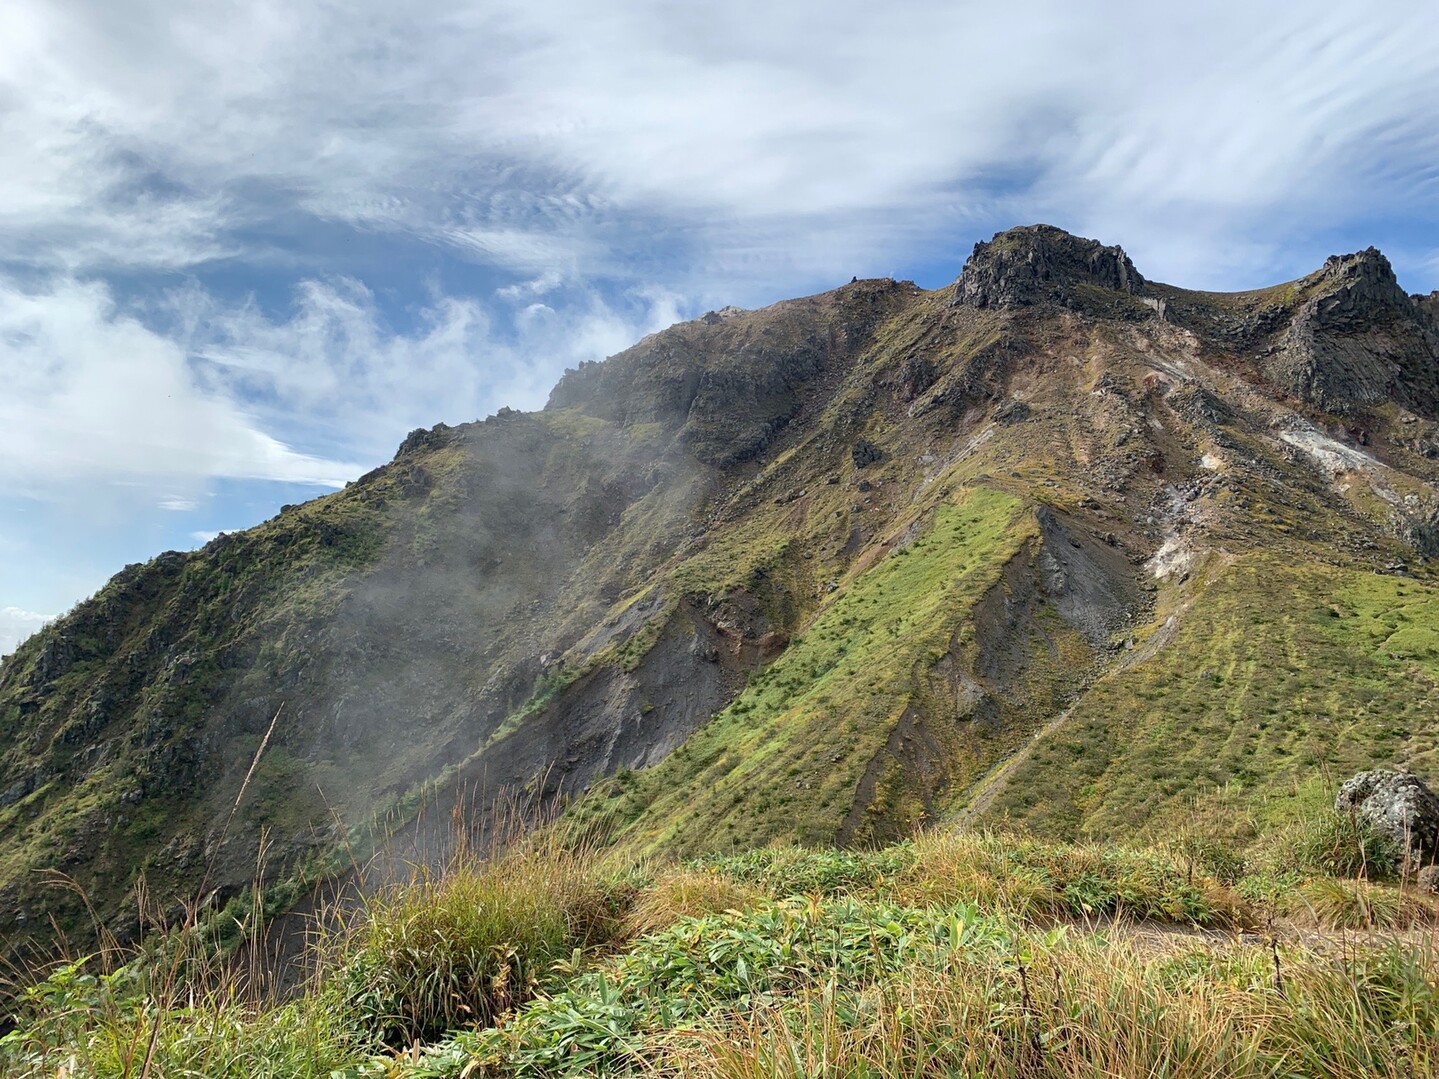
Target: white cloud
{"points": [[93, 395], [202, 537], [525, 251], [545, 283], [337, 365], [16, 625]]}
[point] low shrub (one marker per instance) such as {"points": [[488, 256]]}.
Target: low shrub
{"points": [[1344, 845], [610, 1020], [1208, 855], [465, 946], [686, 893], [1357, 904], [846, 988], [80, 1024], [1031, 878], [785, 871]]}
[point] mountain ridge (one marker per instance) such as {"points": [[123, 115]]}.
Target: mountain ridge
{"points": [[805, 572]]}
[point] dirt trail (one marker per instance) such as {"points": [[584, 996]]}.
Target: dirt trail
{"points": [[989, 786], [996, 778]]}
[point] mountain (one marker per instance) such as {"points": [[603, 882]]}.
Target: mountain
{"points": [[1056, 546]]}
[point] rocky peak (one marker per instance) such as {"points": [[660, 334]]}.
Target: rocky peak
{"points": [[1351, 289], [1040, 263], [1356, 338]]}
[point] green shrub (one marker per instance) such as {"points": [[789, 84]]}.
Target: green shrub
{"points": [[1344, 845], [802, 871], [1030, 877], [1210, 856], [80, 1024], [686, 893], [603, 1022], [1344, 904]]}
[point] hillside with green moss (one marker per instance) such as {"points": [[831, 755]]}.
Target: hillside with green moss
{"points": [[1057, 548]]}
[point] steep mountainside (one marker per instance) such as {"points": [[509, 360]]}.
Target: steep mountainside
{"points": [[1056, 545]]}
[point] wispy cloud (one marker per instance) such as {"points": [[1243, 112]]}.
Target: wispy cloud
{"points": [[92, 395], [536, 286], [338, 369], [543, 135], [264, 240]]}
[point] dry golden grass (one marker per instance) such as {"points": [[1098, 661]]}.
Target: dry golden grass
{"points": [[685, 893], [1091, 1009]]}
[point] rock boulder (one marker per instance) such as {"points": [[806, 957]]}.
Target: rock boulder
{"points": [[1397, 805]]}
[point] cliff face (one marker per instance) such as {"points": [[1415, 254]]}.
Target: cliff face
{"points": [[820, 571], [1358, 340]]}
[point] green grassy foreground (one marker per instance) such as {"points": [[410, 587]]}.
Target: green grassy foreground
{"points": [[954, 954]]}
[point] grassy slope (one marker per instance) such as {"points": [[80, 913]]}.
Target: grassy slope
{"points": [[1247, 700], [950, 955], [129, 760], [230, 618], [785, 759], [1248, 703]]}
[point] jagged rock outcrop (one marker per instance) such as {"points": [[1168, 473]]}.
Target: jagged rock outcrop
{"points": [[1398, 806], [1357, 339], [1043, 264]]}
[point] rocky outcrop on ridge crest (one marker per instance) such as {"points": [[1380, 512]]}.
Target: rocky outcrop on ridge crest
{"points": [[1042, 264], [1357, 339], [726, 387], [1354, 287]]}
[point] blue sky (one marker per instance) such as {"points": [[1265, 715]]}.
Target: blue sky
{"points": [[245, 247]]}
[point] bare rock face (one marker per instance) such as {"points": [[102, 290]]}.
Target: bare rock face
{"points": [[1042, 264], [1358, 339], [1397, 805]]}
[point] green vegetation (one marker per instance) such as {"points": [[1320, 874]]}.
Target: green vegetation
{"points": [[469, 945], [1247, 709], [684, 551], [785, 759], [951, 954], [140, 670]]}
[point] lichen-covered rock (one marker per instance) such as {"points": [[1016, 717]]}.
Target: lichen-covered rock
{"points": [[1397, 805]]}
